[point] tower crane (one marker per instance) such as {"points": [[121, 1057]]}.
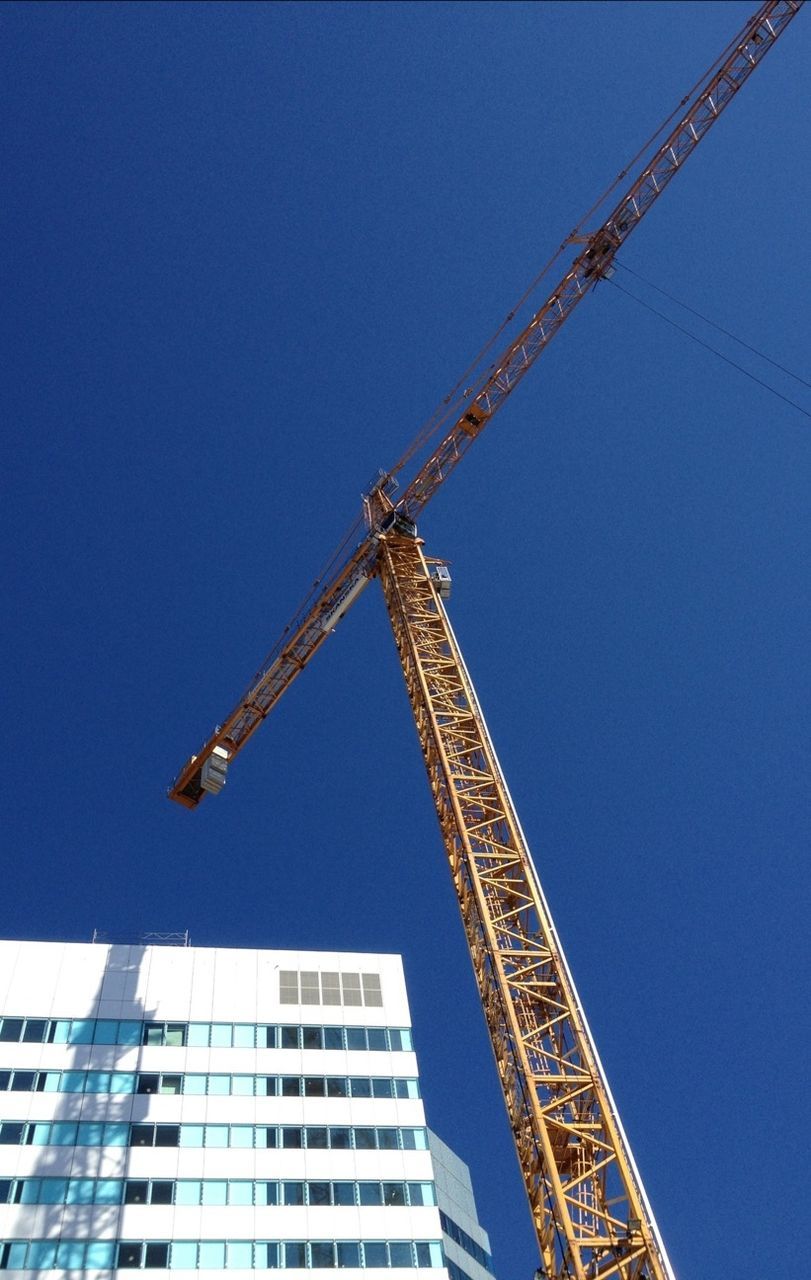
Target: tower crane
{"points": [[592, 1218]]}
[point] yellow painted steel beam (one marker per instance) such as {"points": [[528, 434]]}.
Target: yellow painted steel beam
{"points": [[589, 1208]]}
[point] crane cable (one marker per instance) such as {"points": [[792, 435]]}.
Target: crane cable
{"points": [[727, 332], [708, 347], [444, 411]]}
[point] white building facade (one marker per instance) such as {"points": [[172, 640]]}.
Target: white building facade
{"points": [[186, 1108]]}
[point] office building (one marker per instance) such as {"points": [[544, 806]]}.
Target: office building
{"points": [[192, 1108]]}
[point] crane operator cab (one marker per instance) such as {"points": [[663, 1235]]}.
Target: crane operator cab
{"points": [[441, 578]]}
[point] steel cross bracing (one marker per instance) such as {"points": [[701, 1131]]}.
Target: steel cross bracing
{"points": [[307, 632], [588, 1206]]}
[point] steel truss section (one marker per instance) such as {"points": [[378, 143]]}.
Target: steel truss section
{"points": [[590, 1212]]}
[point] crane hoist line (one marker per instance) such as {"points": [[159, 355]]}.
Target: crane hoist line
{"points": [[591, 1215]]}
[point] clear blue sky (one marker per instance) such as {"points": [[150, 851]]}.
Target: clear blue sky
{"points": [[245, 249]]}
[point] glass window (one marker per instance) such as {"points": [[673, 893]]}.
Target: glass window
{"points": [[291, 1086], [53, 1191], [340, 1139], [171, 1084], [221, 1035], [70, 1255], [161, 1193], [191, 1135], [382, 1088], [377, 1038], [99, 1255], [374, 1253], [355, 1037], [28, 1191], [23, 1081], [108, 1191], [5, 1079], [295, 1253], [312, 1037], [322, 1253], [330, 988], [333, 1037], [407, 1043], [215, 1192], [35, 1030], [343, 1193], [361, 1087], [63, 1134], [129, 1253], [314, 1087], [266, 1086], [293, 1192], [187, 1192], [240, 1193], [394, 1193], [81, 1031], [365, 1139], [72, 1082], [183, 1255], [175, 1034], [337, 1087], [267, 1136], [136, 1192], [350, 986], [267, 1193], [371, 990], [219, 1084], [414, 1139], [58, 1031], [288, 986], [244, 1035], [106, 1032], [290, 1038], [267, 1037], [41, 1255], [167, 1135], [129, 1033], [421, 1193], [13, 1255], [11, 1030], [38, 1135], [148, 1083], [407, 1088], [291, 1137], [267, 1254], [242, 1085], [241, 1135], [216, 1135], [239, 1255], [348, 1253], [194, 1084], [317, 1138], [319, 1193], [198, 1035], [157, 1255], [370, 1193], [51, 1081], [387, 1139], [400, 1253], [429, 1253], [122, 1082], [98, 1082], [5, 1190], [142, 1135], [153, 1033], [116, 1134]]}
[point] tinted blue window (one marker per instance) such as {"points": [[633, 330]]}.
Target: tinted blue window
{"points": [[374, 1253]]}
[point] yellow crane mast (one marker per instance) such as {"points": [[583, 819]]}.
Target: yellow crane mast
{"points": [[591, 1215]]}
